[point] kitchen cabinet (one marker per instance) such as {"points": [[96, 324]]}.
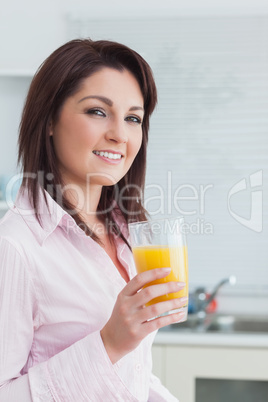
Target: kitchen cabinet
{"points": [[14, 85], [182, 368]]}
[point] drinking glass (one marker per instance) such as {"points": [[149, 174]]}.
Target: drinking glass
{"points": [[161, 243]]}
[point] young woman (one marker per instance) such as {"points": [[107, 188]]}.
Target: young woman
{"points": [[73, 320]]}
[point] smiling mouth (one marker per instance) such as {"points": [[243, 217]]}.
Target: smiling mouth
{"points": [[109, 155]]}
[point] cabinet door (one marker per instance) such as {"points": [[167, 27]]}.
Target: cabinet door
{"points": [[180, 372], [185, 365], [230, 390], [159, 366]]}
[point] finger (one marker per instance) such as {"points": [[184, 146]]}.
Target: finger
{"points": [[160, 308], [140, 280], [151, 292], [163, 321]]}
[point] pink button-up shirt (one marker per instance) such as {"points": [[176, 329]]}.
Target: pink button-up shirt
{"points": [[57, 290]]}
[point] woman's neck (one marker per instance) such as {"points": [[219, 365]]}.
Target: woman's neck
{"points": [[85, 201]]}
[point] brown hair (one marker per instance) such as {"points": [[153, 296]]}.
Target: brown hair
{"points": [[59, 77]]}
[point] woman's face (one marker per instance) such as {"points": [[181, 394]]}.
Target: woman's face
{"points": [[99, 130]]}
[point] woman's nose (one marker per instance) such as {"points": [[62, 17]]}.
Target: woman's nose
{"points": [[117, 132]]}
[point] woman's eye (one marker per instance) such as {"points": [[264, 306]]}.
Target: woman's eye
{"points": [[134, 119], [97, 112]]}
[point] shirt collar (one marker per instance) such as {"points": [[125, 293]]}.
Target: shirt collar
{"points": [[50, 214]]}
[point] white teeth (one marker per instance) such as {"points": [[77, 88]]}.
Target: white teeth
{"points": [[108, 155]]}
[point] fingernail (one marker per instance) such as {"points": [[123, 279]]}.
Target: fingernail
{"points": [[168, 269], [181, 284], [183, 299]]}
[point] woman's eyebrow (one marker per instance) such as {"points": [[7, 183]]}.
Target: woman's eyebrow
{"points": [[108, 101], [136, 108], [101, 98]]}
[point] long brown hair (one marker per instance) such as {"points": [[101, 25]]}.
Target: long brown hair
{"points": [[59, 77]]}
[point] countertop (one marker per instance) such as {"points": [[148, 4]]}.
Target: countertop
{"points": [[169, 336]]}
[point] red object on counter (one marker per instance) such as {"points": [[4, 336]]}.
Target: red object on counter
{"points": [[212, 306]]}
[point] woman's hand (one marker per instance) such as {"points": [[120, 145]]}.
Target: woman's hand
{"points": [[129, 324]]}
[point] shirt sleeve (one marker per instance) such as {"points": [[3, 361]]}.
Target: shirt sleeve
{"points": [[158, 393], [17, 316], [81, 372]]}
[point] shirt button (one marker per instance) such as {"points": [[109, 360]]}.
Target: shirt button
{"points": [[138, 367]]}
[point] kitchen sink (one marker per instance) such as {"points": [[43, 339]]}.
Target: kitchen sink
{"points": [[238, 324], [193, 324], [222, 323]]}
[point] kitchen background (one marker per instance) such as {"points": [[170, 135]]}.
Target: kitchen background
{"points": [[208, 149]]}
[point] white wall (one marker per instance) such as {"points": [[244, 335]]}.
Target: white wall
{"points": [[30, 29]]}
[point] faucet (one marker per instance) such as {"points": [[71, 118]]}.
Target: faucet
{"points": [[200, 299]]}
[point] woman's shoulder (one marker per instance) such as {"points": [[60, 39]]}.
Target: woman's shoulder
{"points": [[13, 229], [9, 222]]}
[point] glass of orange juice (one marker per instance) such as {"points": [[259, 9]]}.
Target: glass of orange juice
{"points": [[161, 243]]}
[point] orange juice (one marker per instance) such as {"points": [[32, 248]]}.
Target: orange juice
{"points": [[161, 257]]}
